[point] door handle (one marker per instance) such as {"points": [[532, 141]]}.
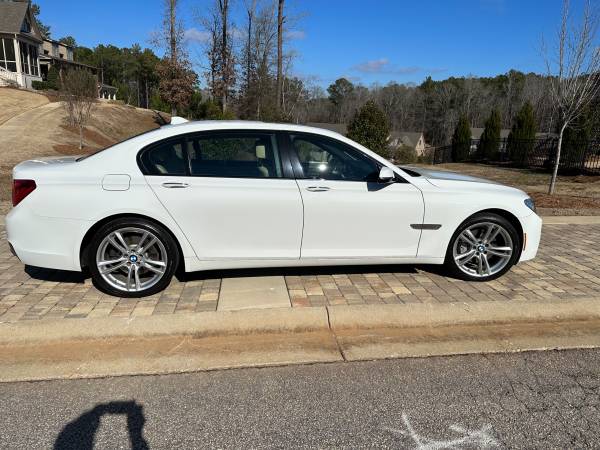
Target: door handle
{"points": [[175, 185], [317, 188]]}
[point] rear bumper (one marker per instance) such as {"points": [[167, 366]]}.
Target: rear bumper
{"points": [[44, 241], [532, 228]]}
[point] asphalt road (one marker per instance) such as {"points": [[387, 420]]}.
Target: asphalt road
{"points": [[528, 400]]}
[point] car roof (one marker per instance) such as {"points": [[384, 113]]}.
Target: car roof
{"points": [[202, 125]]}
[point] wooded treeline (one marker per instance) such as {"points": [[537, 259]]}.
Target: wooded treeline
{"points": [[244, 70]]}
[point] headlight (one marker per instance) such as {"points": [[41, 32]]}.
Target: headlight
{"points": [[530, 204]]}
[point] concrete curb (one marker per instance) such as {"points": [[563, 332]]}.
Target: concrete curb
{"points": [[214, 323], [448, 314], [285, 320], [571, 220]]}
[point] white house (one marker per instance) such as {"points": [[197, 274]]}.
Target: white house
{"points": [[20, 41], [26, 55]]}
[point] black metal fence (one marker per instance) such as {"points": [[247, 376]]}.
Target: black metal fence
{"points": [[576, 157]]}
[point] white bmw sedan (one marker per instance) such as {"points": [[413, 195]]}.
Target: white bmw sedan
{"points": [[220, 195]]}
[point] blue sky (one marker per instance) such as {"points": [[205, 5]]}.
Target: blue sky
{"points": [[368, 41]]}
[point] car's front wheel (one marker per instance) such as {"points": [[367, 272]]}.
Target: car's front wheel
{"points": [[132, 258], [483, 248]]}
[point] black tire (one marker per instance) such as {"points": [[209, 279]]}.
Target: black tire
{"points": [[452, 266], [163, 236]]}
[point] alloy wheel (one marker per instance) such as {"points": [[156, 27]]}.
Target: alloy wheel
{"points": [[131, 259], [483, 249]]}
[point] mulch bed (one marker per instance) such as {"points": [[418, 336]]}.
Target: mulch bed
{"points": [[564, 201]]}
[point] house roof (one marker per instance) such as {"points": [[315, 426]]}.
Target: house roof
{"points": [[12, 15], [340, 128], [407, 138], [477, 132]]}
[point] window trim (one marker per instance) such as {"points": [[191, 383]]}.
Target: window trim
{"points": [[286, 165], [299, 170]]}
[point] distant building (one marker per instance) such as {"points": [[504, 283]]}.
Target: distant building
{"points": [[26, 56], [20, 41], [396, 139], [412, 139]]}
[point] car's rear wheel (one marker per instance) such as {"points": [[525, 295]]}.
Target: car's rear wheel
{"points": [[132, 258], [483, 248]]}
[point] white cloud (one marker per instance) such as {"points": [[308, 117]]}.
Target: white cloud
{"points": [[383, 66], [295, 34], [196, 35], [373, 66]]}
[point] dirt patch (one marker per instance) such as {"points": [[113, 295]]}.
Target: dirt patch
{"points": [[15, 101], [41, 129], [90, 136], [564, 201]]}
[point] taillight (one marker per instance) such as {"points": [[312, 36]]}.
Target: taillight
{"points": [[21, 189]]}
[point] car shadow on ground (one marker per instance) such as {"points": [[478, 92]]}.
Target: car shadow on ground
{"points": [[60, 276], [80, 433], [308, 271], [63, 276]]}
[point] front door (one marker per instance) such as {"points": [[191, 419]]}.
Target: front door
{"points": [[347, 212], [228, 193]]}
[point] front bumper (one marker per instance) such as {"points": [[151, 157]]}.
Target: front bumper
{"points": [[532, 229]]}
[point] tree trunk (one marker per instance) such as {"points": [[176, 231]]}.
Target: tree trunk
{"points": [[172, 30], [147, 99], [280, 53], [173, 41], [224, 54], [80, 137], [557, 162]]}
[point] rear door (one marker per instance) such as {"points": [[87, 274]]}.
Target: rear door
{"points": [[230, 192], [348, 213]]}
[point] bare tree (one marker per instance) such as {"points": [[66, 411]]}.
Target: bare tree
{"points": [[574, 71], [280, 21], [79, 91], [221, 73], [177, 79]]}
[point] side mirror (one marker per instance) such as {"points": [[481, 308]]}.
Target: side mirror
{"points": [[386, 175]]}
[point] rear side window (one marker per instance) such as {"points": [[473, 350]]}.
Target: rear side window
{"points": [[166, 158], [236, 155]]}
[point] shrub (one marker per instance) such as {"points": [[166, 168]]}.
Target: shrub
{"points": [[370, 127], [42, 86], [405, 155], [521, 139], [490, 139], [461, 140]]}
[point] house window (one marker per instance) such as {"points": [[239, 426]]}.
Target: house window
{"points": [[26, 27], [24, 57], [7, 55], [33, 63]]}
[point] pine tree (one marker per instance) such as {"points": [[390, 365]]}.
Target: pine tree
{"points": [[370, 127], [490, 139], [521, 139], [461, 140]]}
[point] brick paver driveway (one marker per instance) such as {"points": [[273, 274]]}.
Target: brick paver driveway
{"points": [[568, 266]]}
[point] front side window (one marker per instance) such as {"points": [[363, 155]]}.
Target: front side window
{"points": [[328, 159], [234, 155], [165, 158]]}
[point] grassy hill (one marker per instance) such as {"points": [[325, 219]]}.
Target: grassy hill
{"points": [[32, 125]]}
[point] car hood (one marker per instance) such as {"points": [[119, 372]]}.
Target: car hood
{"points": [[443, 175]]}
